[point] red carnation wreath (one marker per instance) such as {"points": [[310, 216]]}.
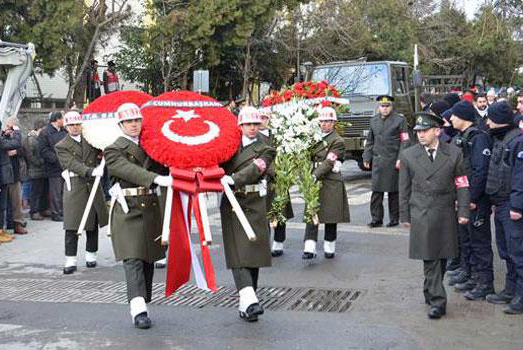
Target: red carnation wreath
{"points": [[100, 125], [184, 129]]}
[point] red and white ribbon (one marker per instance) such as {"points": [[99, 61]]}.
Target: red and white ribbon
{"points": [[404, 136]]}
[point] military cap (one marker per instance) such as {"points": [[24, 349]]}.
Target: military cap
{"points": [[426, 121], [385, 99]]}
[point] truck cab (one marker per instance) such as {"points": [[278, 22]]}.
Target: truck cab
{"points": [[361, 82]]}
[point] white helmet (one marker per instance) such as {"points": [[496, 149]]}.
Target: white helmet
{"points": [[326, 114], [249, 115], [72, 117], [128, 111]]}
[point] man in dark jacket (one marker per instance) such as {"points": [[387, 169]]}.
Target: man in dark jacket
{"points": [[475, 237], [15, 218], [8, 142], [504, 133], [36, 172], [48, 138]]}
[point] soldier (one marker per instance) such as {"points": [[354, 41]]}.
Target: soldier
{"points": [[279, 230], [80, 162], [245, 172], [476, 272], [515, 242], [503, 132], [334, 206], [110, 78], [136, 219], [432, 177], [388, 135]]}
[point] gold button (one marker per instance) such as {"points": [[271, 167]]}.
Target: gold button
{"points": [[143, 205]]}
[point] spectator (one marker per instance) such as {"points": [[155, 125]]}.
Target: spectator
{"points": [[425, 100], [15, 218], [8, 141], [481, 110], [111, 80], [93, 81], [36, 172], [491, 96], [48, 138]]}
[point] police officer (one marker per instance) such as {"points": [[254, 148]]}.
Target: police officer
{"points": [[334, 206], [503, 132], [388, 135], [476, 273], [432, 177], [515, 241], [280, 228], [136, 218], [245, 172], [80, 162]]}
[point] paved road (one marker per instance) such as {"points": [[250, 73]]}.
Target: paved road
{"points": [[371, 280]]}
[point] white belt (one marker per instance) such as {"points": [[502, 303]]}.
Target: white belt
{"points": [[67, 175], [261, 188], [137, 191]]}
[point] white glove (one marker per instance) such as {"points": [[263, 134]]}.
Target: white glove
{"points": [[337, 167], [98, 171], [229, 180], [165, 181]]}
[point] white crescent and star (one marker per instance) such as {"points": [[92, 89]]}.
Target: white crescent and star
{"points": [[214, 130]]}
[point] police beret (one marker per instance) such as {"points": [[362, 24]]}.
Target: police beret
{"points": [[464, 110], [426, 121], [385, 99], [451, 98]]}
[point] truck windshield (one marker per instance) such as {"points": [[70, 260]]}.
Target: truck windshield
{"points": [[356, 79]]}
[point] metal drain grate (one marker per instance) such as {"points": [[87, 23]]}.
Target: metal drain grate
{"points": [[272, 298]]}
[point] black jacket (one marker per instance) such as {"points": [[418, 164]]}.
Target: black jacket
{"points": [[8, 143], [47, 139]]}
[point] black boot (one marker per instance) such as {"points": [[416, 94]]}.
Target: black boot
{"points": [[453, 264], [515, 307], [503, 297], [480, 292], [465, 286], [461, 277]]}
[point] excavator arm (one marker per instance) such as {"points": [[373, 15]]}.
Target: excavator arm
{"points": [[18, 60]]}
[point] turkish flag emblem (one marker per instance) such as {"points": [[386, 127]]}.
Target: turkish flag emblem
{"points": [[461, 182], [183, 129]]}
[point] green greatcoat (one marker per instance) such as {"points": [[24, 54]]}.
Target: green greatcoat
{"points": [[428, 197], [81, 158], [134, 234], [386, 139], [288, 213], [239, 251], [334, 205]]}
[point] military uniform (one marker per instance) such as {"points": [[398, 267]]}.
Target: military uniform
{"points": [[334, 205], [136, 213], [79, 159], [386, 138], [428, 188], [240, 253], [279, 230]]}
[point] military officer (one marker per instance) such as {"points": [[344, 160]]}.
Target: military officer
{"points": [[334, 206], [80, 162], [500, 121], [279, 230], [245, 172], [136, 218], [476, 272], [515, 242], [432, 177], [388, 135]]}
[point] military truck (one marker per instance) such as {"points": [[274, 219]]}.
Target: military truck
{"points": [[361, 82]]}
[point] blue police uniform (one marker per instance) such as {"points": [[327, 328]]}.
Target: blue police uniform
{"points": [[515, 236], [498, 188], [476, 238]]}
